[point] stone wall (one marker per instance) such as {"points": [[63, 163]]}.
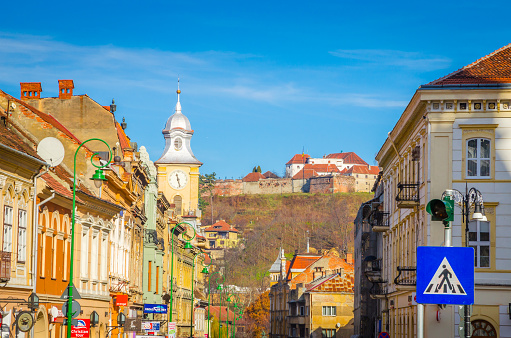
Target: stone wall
{"points": [[269, 186], [331, 184]]}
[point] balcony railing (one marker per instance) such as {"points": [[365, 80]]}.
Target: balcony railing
{"points": [[378, 290], [407, 195], [5, 266], [407, 276], [380, 221]]}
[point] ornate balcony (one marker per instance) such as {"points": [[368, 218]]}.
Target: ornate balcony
{"points": [[407, 276], [378, 290], [380, 221], [407, 195], [5, 266]]}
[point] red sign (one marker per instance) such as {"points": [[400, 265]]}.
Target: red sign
{"points": [[81, 329], [121, 300]]}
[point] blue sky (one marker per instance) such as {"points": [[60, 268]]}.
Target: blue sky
{"points": [[260, 80]]}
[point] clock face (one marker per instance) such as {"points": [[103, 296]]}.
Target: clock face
{"points": [[25, 321], [178, 179]]}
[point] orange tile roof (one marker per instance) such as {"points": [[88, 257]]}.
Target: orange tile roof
{"points": [[310, 170], [362, 169], [58, 187], [491, 69], [46, 117], [215, 310], [124, 141], [349, 158], [221, 226], [305, 174], [298, 158], [269, 174], [253, 177], [333, 263]]}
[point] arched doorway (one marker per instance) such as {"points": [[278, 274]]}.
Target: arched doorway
{"points": [[482, 328], [41, 324]]}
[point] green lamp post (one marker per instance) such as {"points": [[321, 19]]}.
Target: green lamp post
{"points": [[187, 246], [230, 299], [209, 288], [219, 288], [98, 178]]}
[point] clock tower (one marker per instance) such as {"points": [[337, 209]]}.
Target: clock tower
{"points": [[178, 169]]}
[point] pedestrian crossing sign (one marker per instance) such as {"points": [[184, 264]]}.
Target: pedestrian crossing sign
{"points": [[445, 275]]}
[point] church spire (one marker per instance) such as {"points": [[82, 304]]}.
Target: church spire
{"points": [[178, 104]]}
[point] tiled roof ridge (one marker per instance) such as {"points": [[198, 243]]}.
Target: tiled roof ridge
{"points": [[46, 117], [470, 65], [123, 138]]}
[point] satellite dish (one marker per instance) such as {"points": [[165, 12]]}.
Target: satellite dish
{"points": [[51, 151], [13, 105], [54, 312]]}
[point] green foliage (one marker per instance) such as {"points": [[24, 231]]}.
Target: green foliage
{"points": [[206, 184], [214, 328], [257, 169]]}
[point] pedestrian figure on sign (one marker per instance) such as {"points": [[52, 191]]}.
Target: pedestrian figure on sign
{"points": [[446, 275]]}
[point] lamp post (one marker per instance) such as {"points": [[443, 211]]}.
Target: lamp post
{"points": [[219, 287], [98, 177], [172, 265], [465, 202], [230, 299]]}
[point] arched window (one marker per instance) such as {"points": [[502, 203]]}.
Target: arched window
{"points": [[478, 157], [178, 201], [482, 328]]}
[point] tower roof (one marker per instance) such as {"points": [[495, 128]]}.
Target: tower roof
{"points": [[178, 120]]}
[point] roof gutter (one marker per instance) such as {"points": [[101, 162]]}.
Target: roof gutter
{"points": [[467, 86], [38, 161]]}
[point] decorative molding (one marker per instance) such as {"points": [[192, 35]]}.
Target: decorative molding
{"points": [[3, 179], [17, 187]]}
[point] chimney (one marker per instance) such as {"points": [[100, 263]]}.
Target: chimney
{"points": [[349, 258], [282, 265], [66, 89], [30, 90]]}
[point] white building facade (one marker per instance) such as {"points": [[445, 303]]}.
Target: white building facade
{"points": [[455, 133]]}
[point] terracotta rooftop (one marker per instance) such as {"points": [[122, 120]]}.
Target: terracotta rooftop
{"points": [[221, 226], [298, 158], [349, 158], [493, 68], [12, 140], [58, 187], [329, 261], [362, 169], [310, 170], [215, 310], [124, 141], [253, 177], [269, 174]]}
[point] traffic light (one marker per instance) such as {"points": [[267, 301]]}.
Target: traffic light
{"points": [[441, 210]]}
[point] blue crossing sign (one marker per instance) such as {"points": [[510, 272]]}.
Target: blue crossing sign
{"points": [[445, 275]]}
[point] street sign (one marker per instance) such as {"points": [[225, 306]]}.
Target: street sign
{"points": [[384, 335], [445, 275], [80, 329], [65, 294], [75, 309], [151, 326]]}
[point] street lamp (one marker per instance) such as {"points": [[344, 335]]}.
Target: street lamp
{"points": [[172, 265], [192, 308], [219, 288], [464, 202], [98, 178], [230, 299]]}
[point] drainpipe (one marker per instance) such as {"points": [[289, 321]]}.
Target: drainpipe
{"points": [[35, 228]]}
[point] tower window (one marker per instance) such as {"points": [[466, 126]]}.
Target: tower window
{"points": [[178, 143]]}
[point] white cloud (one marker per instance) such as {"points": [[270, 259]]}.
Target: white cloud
{"points": [[385, 57]]}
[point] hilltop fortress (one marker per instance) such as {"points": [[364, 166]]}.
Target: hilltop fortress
{"points": [[339, 172]]}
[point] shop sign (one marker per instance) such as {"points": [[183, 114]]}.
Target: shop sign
{"points": [[151, 326], [172, 329], [155, 308], [121, 300], [81, 329]]}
